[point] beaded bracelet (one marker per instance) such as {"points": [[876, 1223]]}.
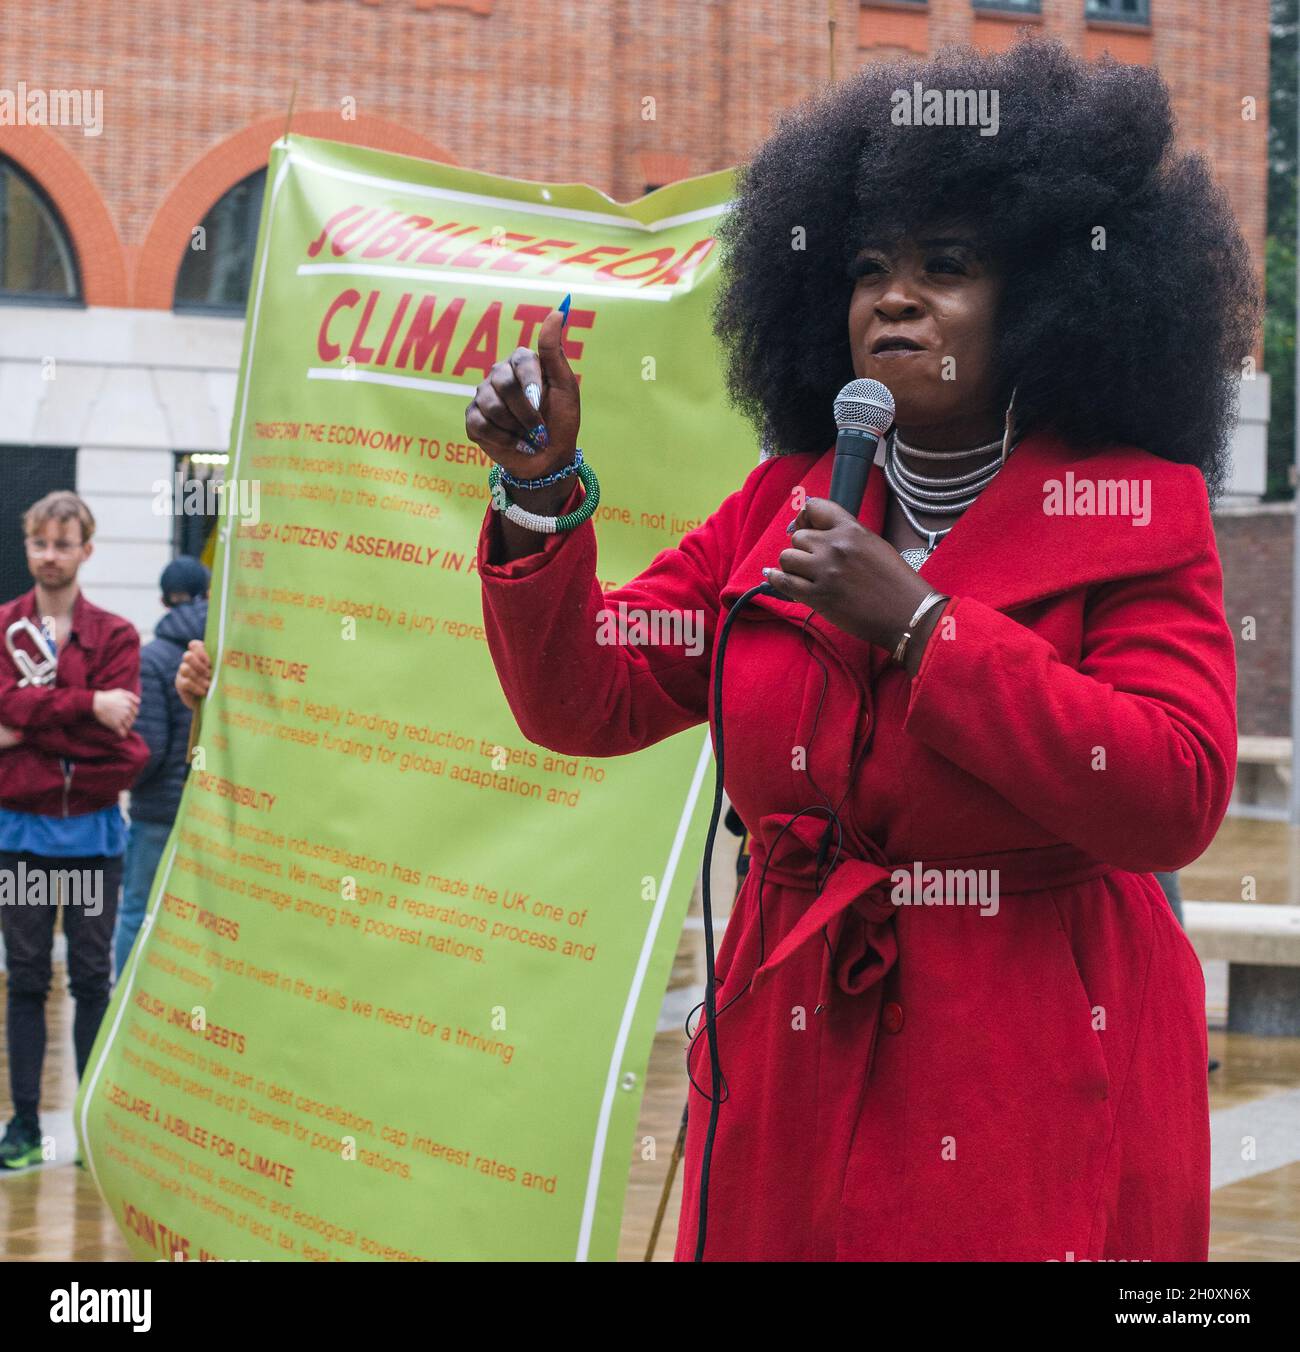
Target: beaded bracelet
{"points": [[559, 474], [545, 525]]}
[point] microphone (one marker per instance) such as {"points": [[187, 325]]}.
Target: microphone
{"points": [[864, 412]]}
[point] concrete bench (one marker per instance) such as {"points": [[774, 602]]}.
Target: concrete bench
{"points": [[1263, 777], [1261, 945], [1264, 750]]}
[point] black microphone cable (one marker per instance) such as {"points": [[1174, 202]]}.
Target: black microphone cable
{"points": [[863, 412], [833, 824]]}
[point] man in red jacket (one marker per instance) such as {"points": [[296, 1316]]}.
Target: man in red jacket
{"points": [[66, 752]]}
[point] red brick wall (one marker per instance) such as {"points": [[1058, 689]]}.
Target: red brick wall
{"points": [[1256, 553], [556, 91], [551, 91]]}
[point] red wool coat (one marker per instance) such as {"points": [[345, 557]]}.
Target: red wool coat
{"points": [[937, 1082]]}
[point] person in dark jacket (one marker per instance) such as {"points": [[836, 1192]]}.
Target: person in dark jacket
{"points": [[164, 723]]}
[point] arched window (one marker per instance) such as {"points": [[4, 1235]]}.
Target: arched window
{"points": [[218, 264], [36, 258]]}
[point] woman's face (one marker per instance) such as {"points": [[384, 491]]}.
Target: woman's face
{"points": [[921, 321]]}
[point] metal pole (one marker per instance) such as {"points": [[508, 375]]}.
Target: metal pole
{"points": [[830, 34], [666, 1192], [195, 719], [1295, 536]]}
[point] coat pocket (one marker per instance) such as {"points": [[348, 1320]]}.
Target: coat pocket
{"points": [[1080, 1013]]}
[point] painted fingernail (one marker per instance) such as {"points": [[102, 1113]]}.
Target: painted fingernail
{"points": [[524, 448], [564, 310], [540, 437], [533, 393], [766, 572], [789, 530]]}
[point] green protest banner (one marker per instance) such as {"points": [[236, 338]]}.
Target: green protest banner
{"points": [[396, 989]]}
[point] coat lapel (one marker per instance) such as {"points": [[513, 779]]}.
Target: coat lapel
{"points": [[1006, 550]]}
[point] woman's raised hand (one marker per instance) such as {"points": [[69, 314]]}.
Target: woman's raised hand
{"points": [[525, 415]]}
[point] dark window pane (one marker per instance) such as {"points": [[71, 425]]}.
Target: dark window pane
{"points": [[27, 474], [190, 532], [217, 267], [36, 257], [1131, 11]]}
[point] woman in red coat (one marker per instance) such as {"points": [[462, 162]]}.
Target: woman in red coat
{"points": [[957, 1018]]}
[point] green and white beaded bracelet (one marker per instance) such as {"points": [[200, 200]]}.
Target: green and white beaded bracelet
{"points": [[545, 525]]}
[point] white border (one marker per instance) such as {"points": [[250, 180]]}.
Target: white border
{"points": [[629, 1009], [365, 377], [499, 282]]}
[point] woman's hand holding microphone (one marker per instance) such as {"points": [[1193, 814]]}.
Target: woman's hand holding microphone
{"points": [[525, 415], [854, 578]]}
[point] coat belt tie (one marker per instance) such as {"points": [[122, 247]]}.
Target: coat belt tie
{"points": [[855, 907]]}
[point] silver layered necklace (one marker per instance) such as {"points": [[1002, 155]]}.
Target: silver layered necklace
{"points": [[937, 496]]}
